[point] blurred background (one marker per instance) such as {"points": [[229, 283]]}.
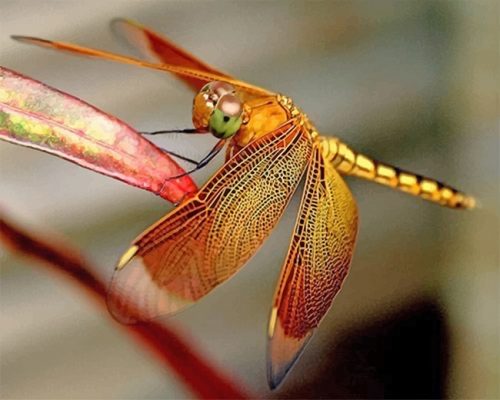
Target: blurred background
{"points": [[413, 83]]}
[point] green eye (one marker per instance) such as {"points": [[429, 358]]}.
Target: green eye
{"points": [[224, 126]]}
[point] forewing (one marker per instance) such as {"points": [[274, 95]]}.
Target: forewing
{"points": [[38, 116], [317, 263], [181, 71], [209, 237], [158, 48]]}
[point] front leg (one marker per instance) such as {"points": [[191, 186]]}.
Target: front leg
{"points": [[231, 149]]}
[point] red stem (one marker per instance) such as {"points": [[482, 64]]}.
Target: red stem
{"points": [[197, 373]]}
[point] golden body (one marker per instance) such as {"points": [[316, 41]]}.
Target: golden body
{"points": [[213, 232], [266, 114]]}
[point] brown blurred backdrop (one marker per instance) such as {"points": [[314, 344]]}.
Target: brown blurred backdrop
{"points": [[413, 83]]}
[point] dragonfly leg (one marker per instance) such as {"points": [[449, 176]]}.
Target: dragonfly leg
{"points": [[187, 131], [205, 160], [348, 162], [189, 160]]}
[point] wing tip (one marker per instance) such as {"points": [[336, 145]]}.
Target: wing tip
{"points": [[273, 380], [275, 375], [277, 371], [117, 23], [123, 20], [29, 39], [119, 316], [135, 296], [120, 26], [283, 351], [117, 306]]}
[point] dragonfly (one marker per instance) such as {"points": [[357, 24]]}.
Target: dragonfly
{"points": [[270, 145]]}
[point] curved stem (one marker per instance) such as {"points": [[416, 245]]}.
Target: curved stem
{"points": [[197, 373]]}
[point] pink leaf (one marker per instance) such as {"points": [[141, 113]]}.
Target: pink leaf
{"points": [[35, 115]]}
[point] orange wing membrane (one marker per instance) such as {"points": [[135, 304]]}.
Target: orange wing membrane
{"points": [[317, 263], [181, 71], [205, 240], [157, 48]]}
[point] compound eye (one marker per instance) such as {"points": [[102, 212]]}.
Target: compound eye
{"points": [[207, 100], [215, 90], [226, 118], [222, 88], [230, 105]]}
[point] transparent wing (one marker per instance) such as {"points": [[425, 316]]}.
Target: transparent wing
{"points": [[181, 71], [157, 48], [317, 263], [209, 237]]}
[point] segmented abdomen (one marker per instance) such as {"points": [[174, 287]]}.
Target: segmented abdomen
{"points": [[348, 162]]}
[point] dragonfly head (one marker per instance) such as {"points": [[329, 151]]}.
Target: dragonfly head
{"points": [[218, 109]]}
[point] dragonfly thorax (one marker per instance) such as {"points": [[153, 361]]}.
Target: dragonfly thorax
{"points": [[265, 114], [219, 109]]}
